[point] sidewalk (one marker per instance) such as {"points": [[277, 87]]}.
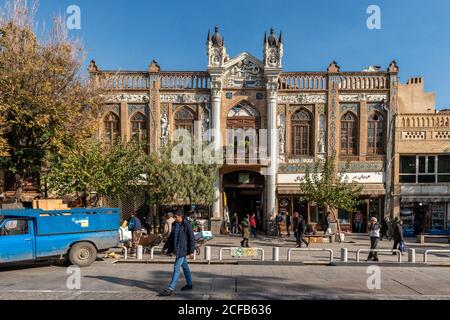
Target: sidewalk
{"points": [[352, 242]]}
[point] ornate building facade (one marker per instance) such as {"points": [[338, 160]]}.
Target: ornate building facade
{"points": [[307, 115], [396, 143]]}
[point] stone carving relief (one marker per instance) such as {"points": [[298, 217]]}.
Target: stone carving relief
{"points": [[205, 119], [164, 128], [294, 108], [112, 108], [185, 98], [362, 97], [245, 74], [281, 132], [132, 108], [322, 133], [126, 97], [273, 57], [354, 107], [374, 106], [302, 98]]}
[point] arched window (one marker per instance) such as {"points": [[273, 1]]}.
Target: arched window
{"points": [[301, 124], [349, 140], [111, 126], [139, 128], [184, 119], [246, 117], [375, 134]]}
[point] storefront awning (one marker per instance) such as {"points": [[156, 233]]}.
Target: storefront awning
{"points": [[419, 198], [368, 190]]}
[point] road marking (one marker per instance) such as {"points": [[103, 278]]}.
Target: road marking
{"points": [[58, 291], [406, 286]]}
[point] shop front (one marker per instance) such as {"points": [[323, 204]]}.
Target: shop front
{"points": [[313, 214], [358, 220], [425, 214]]}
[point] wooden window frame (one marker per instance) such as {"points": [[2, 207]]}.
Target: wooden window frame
{"points": [[111, 126], [301, 125], [375, 150], [347, 150], [141, 126]]}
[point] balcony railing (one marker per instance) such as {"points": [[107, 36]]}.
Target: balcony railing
{"points": [[125, 80], [185, 80], [303, 81], [358, 81], [424, 121], [317, 81]]}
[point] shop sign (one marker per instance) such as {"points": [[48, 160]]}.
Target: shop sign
{"points": [[243, 252]]}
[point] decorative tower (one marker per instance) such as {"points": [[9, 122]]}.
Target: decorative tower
{"points": [[215, 49], [273, 50]]}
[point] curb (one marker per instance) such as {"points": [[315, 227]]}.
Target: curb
{"points": [[191, 262], [380, 264]]}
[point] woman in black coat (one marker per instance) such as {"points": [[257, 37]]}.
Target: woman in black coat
{"points": [[301, 229]]}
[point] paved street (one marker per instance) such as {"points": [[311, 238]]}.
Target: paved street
{"points": [[352, 243], [108, 279], [105, 280]]}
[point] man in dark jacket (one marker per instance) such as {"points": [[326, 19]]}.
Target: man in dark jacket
{"points": [[135, 226], [397, 233], [288, 224], [301, 229], [181, 242]]}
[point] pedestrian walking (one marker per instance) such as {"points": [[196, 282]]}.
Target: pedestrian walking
{"points": [[288, 225], [295, 224], [374, 233], [325, 223], [135, 227], [227, 221], [359, 219], [278, 220], [301, 229], [235, 224], [181, 243], [245, 231], [391, 230], [384, 228], [253, 224], [397, 230], [168, 225]]}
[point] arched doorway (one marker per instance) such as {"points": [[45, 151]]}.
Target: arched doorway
{"points": [[243, 194]]}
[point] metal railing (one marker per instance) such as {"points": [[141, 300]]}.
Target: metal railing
{"points": [[425, 255], [358, 253], [309, 250], [152, 252]]}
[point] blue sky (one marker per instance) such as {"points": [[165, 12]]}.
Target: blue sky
{"points": [[129, 34]]}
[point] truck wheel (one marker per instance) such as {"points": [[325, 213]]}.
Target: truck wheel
{"points": [[83, 254]]}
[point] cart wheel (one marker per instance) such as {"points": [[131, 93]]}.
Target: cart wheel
{"points": [[197, 251]]}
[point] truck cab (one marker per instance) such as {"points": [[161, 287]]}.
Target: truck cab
{"points": [[76, 235], [17, 239]]}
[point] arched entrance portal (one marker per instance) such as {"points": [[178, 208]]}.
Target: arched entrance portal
{"points": [[244, 193]]}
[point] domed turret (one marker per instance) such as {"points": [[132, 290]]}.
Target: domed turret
{"points": [[217, 39], [272, 39]]}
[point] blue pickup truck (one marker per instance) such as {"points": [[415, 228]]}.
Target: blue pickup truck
{"points": [[75, 235]]}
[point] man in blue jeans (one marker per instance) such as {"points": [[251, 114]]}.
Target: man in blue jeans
{"points": [[181, 242]]}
